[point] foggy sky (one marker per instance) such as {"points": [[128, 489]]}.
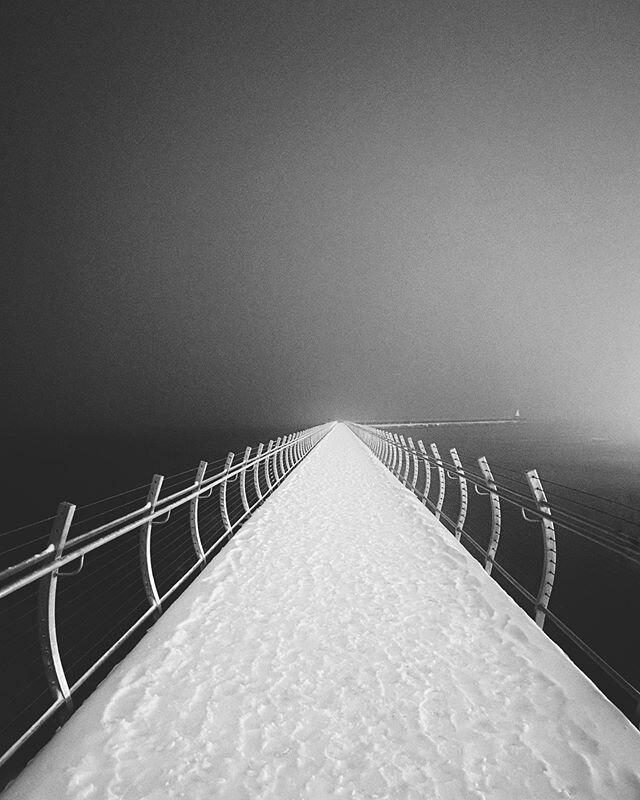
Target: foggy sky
{"points": [[291, 212]]}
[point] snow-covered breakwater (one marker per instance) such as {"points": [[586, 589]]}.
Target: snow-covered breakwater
{"points": [[343, 645]]}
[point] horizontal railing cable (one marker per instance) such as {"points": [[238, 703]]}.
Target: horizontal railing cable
{"points": [[142, 488], [27, 525]]}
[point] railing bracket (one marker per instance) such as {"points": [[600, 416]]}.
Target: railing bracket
{"points": [[523, 511], [73, 572]]}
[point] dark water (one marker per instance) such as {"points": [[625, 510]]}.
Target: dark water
{"points": [[44, 468], [595, 590]]}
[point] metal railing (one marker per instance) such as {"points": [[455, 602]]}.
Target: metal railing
{"points": [[412, 464], [106, 578]]}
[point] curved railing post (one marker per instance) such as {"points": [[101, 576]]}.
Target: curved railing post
{"points": [[287, 453], [292, 451], [267, 473], [441, 480], [299, 447], [405, 475], [283, 469], [414, 460], [256, 473], [496, 519], [374, 443], [398, 449], [224, 513], [296, 449], [549, 542], [394, 454], [283, 456], [150, 588], [243, 481], [385, 449], [378, 447], [54, 670], [287, 459], [397, 463], [464, 493], [281, 466], [276, 454], [193, 515], [427, 472]]}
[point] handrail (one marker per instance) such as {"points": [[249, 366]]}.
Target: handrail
{"points": [[46, 567], [388, 449]]}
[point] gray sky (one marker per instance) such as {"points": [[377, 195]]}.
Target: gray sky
{"points": [[292, 212]]}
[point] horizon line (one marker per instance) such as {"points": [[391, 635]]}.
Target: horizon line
{"points": [[427, 423]]}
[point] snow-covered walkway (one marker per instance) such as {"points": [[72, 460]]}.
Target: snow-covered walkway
{"points": [[342, 646]]}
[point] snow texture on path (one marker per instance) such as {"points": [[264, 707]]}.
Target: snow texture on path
{"points": [[343, 646]]}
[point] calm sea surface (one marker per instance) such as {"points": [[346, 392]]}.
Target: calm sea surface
{"points": [[43, 469]]}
